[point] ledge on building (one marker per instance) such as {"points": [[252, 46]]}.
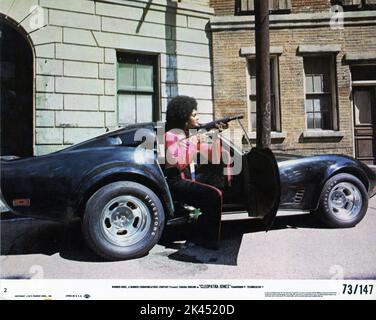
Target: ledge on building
{"points": [[293, 20], [251, 51], [321, 135], [195, 7], [360, 57], [363, 83], [276, 137], [327, 48]]}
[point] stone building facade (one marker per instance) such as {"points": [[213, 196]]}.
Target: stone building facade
{"points": [[323, 73], [88, 61]]}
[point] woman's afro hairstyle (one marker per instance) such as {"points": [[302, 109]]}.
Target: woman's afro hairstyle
{"points": [[179, 109]]}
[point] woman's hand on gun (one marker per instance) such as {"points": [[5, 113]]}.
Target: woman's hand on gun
{"points": [[222, 126]]}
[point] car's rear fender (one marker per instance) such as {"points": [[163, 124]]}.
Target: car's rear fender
{"points": [[149, 178]]}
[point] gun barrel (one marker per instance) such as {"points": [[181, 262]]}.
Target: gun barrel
{"points": [[212, 124]]}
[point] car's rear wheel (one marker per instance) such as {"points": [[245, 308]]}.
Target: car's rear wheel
{"points": [[343, 202], [123, 220]]}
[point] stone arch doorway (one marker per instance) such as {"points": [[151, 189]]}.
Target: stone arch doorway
{"points": [[16, 86]]}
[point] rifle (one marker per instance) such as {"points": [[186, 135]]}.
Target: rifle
{"points": [[213, 124]]}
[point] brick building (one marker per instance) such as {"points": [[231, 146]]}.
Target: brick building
{"points": [[72, 69], [323, 73]]}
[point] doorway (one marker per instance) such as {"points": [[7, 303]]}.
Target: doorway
{"points": [[364, 101], [16, 86]]}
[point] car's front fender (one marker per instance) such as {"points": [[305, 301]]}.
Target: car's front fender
{"points": [[303, 179], [349, 167]]}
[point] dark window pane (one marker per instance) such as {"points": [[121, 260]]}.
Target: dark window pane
{"points": [[359, 73], [326, 121], [273, 115], [325, 104]]}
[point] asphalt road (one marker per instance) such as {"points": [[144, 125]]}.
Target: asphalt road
{"points": [[296, 248]]}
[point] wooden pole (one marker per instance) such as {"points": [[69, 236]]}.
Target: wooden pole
{"points": [[262, 74]]}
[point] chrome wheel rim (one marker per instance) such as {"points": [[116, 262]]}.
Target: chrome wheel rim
{"points": [[345, 201], [125, 220]]}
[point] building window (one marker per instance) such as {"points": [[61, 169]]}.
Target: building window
{"points": [[320, 92], [350, 5], [274, 91], [137, 88], [244, 7]]}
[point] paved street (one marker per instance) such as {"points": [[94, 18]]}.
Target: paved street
{"points": [[297, 248]]}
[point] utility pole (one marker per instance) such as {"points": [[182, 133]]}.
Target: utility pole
{"points": [[262, 74]]}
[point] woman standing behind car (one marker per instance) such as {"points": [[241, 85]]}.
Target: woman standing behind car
{"points": [[181, 151]]}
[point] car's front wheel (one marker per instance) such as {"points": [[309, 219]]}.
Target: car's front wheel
{"points": [[123, 220], [343, 202]]}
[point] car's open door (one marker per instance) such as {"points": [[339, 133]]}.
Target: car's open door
{"points": [[262, 184]]}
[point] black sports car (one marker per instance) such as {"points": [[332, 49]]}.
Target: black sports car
{"points": [[115, 183]]}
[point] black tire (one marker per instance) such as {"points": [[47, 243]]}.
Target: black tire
{"points": [[123, 220], [335, 208]]}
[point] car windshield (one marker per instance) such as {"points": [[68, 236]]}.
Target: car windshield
{"points": [[237, 137]]}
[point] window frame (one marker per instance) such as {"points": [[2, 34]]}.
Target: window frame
{"points": [[240, 12], [362, 5], [274, 62], [140, 58], [334, 117]]}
